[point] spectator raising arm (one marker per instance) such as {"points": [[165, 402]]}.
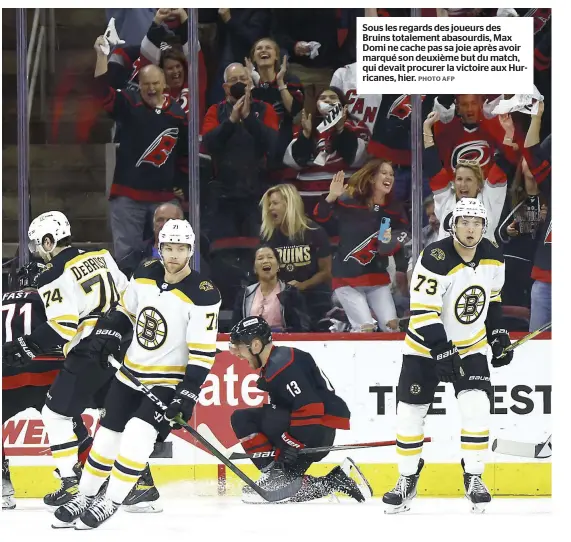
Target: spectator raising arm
{"points": [[245, 31], [158, 33]]}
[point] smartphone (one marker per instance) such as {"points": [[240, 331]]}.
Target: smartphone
{"points": [[385, 225]]}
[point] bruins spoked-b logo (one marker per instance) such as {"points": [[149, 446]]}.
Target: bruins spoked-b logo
{"points": [[151, 328], [470, 304]]}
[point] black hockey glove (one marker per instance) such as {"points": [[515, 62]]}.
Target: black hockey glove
{"points": [[288, 451], [106, 338], [182, 403], [499, 339], [448, 362], [19, 353]]}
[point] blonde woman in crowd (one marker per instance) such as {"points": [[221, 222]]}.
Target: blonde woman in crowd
{"points": [[468, 182], [302, 245]]}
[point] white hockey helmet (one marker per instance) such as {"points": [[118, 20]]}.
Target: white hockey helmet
{"points": [[177, 231], [469, 207], [53, 223]]}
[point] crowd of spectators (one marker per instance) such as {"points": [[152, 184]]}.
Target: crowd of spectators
{"points": [[309, 178]]}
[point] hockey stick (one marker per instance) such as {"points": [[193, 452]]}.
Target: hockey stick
{"points": [[270, 496], [528, 337], [339, 448], [207, 433], [523, 449]]}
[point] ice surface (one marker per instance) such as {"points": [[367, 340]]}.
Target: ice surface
{"points": [[207, 519]]}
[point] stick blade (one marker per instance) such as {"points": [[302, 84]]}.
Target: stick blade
{"points": [[523, 449]]}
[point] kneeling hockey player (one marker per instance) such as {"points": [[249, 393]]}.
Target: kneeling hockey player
{"points": [[304, 412]]}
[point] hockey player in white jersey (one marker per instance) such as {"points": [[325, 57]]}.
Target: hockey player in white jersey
{"points": [[175, 315], [455, 300], [77, 288]]}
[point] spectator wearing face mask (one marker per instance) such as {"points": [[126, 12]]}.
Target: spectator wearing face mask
{"points": [[240, 134], [318, 155], [280, 304], [237, 31]]}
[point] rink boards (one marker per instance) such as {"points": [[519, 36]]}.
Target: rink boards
{"points": [[365, 373]]}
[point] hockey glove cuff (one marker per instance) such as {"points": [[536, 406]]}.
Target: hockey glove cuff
{"points": [[182, 403], [499, 340], [448, 362], [107, 336], [288, 451], [19, 353]]}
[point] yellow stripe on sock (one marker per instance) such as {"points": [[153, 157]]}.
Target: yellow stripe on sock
{"points": [[412, 451], [96, 472], [466, 446], [101, 459], [129, 478], [130, 464]]}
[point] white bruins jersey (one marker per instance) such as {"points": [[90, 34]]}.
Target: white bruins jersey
{"points": [[449, 298], [492, 196], [175, 326], [77, 287]]}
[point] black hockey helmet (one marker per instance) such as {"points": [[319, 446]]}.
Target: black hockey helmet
{"points": [[27, 276], [247, 329]]}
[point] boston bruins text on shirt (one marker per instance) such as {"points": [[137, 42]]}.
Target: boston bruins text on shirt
{"points": [[77, 287], [175, 325], [449, 298]]}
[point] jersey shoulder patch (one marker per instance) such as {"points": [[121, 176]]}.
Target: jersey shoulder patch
{"points": [[199, 289], [440, 257], [280, 358], [491, 251], [150, 269], [55, 268]]}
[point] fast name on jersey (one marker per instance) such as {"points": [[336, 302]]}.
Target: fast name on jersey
{"points": [[14, 296]]}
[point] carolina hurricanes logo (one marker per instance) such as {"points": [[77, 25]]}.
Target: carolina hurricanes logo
{"points": [[366, 251], [548, 235], [471, 150], [159, 150], [324, 144], [401, 107], [540, 18]]}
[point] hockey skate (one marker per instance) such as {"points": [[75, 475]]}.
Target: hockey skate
{"points": [[476, 491], [399, 497], [68, 488], [100, 510], [340, 481], [8, 499], [272, 477], [67, 514], [144, 497]]}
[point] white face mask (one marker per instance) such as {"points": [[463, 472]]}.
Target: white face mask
{"points": [[324, 107]]}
